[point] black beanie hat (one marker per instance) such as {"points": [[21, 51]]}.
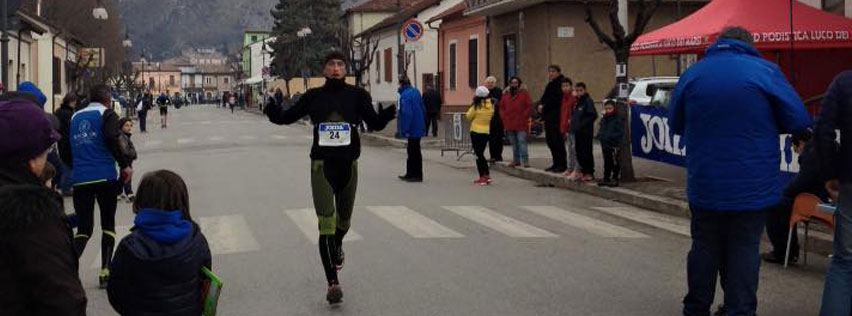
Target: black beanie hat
{"points": [[335, 55]]}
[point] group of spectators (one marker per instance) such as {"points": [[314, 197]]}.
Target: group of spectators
{"points": [[74, 152]]}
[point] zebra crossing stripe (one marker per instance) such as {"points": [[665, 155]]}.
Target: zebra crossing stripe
{"points": [[414, 224], [280, 137], [501, 223], [185, 140], [228, 234], [306, 220], [673, 224], [583, 222], [225, 235]]}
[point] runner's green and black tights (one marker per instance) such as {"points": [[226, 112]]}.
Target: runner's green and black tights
{"points": [[334, 184]]}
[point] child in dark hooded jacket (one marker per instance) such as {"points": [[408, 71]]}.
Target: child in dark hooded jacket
{"points": [[157, 268], [610, 136], [129, 151]]}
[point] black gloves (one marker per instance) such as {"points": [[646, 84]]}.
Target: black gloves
{"points": [[388, 114]]}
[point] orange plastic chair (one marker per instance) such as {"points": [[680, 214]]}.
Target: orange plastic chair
{"points": [[805, 211]]}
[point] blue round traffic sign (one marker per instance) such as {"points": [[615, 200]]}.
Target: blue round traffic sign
{"points": [[412, 31]]}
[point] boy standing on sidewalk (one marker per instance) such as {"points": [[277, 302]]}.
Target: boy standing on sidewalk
{"points": [[610, 135], [583, 126]]}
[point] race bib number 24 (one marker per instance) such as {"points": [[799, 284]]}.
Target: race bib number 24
{"points": [[335, 134]]}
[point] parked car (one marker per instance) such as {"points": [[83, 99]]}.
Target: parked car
{"points": [[662, 94], [639, 89]]}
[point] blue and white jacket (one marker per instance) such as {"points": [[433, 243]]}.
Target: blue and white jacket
{"points": [[95, 148]]}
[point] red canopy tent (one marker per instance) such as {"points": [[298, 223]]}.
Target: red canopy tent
{"points": [[818, 48]]}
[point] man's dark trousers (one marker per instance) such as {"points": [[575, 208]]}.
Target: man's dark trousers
{"points": [[432, 119], [415, 159], [495, 140], [556, 144], [724, 241]]}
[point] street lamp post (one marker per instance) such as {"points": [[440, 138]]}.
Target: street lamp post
{"points": [[100, 13], [302, 34], [128, 69]]}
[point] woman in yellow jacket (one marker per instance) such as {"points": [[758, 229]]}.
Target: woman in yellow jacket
{"points": [[480, 114]]}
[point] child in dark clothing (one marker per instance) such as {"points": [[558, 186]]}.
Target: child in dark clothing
{"points": [[157, 268], [583, 126], [129, 151], [610, 136]]}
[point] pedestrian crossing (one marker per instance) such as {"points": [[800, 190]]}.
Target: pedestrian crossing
{"points": [[233, 234]]}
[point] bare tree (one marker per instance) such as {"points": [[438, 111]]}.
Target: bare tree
{"points": [[619, 42], [362, 52]]}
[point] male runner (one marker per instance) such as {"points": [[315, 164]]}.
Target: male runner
{"points": [[335, 109]]}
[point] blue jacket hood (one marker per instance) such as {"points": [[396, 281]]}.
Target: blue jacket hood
{"points": [[31, 88], [167, 227], [732, 45]]}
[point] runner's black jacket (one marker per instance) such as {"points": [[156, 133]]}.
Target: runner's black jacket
{"points": [[351, 103]]}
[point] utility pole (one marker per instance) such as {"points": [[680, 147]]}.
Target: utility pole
{"points": [[399, 51]]}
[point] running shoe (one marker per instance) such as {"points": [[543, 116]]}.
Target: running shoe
{"points": [[103, 279], [588, 178], [478, 180], [335, 294], [487, 179]]}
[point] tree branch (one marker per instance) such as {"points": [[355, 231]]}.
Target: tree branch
{"points": [[590, 19], [618, 31], [643, 17]]}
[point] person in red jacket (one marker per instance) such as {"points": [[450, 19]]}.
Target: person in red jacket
{"points": [[515, 109], [569, 101]]}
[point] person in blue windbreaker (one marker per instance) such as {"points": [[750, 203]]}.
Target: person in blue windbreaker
{"points": [[412, 126], [730, 108]]}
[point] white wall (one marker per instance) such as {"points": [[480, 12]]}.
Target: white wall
{"points": [[426, 60], [45, 66], [259, 59]]}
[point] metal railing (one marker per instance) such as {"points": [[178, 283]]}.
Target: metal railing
{"points": [[456, 135]]}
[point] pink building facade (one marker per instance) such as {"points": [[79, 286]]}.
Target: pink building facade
{"points": [[461, 59]]}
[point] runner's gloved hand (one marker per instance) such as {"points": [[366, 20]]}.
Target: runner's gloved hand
{"points": [[388, 113]]}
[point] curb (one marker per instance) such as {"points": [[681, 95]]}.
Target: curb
{"points": [[635, 198], [819, 242], [379, 140]]}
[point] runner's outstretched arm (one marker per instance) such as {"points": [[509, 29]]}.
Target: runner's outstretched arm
{"points": [[376, 121], [278, 115]]}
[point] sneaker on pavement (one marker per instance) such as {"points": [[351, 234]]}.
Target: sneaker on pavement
{"points": [[478, 180], [488, 180], [588, 178], [335, 294]]}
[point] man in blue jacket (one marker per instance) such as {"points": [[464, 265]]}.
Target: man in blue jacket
{"points": [[731, 107], [412, 125], [836, 165]]}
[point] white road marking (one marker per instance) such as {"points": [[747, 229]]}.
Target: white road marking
{"points": [[280, 137], [228, 234], [306, 220], [183, 141], [673, 224], [413, 223], [501, 223], [583, 222], [225, 235]]}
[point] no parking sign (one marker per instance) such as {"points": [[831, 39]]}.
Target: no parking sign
{"points": [[412, 31]]}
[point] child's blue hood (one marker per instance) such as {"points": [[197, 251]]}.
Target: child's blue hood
{"points": [[167, 227]]}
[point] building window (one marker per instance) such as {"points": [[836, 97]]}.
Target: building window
{"points": [[452, 70], [171, 80], [57, 75], [473, 62], [254, 38], [510, 57], [388, 65], [378, 63], [834, 6], [227, 80]]}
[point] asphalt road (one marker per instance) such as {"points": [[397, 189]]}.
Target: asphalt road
{"points": [[443, 247]]}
